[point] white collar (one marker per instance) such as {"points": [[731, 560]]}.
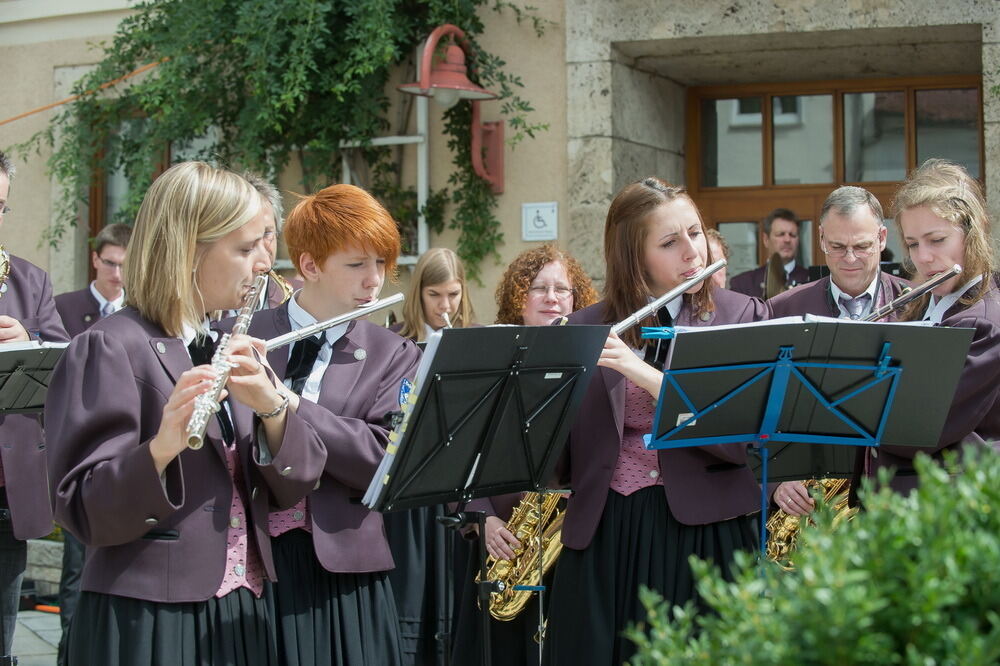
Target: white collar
{"points": [[938, 306], [837, 292], [101, 301], [673, 307], [299, 318], [429, 331], [790, 266], [189, 332]]}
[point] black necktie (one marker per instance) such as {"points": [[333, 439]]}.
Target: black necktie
{"points": [[656, 350], [202, 349], [302, 360]]}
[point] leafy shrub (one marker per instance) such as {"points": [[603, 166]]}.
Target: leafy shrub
{"points": [[912, 580]]}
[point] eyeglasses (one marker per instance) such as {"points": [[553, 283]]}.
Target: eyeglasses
{"points": [[542, 290], [110, 264], [862, 251]]}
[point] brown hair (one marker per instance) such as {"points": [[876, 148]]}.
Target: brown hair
{"points": [[626, 288], [716, 235], [336, 218], [113, 234], [948, 190], [512, 292], [436, 266]]}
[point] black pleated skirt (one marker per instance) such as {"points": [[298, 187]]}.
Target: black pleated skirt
{"points": [[425, 553], [119, 631], [330, 619], [638, 542], [512, 642]]}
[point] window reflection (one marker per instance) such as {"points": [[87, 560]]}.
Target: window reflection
{"points": [[948, 126], [741, 237], [874, 136], [731, 137], [803, 139]]}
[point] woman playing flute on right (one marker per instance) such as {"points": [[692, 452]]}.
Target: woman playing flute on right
{"points": [[636, 515], [941, 215]]}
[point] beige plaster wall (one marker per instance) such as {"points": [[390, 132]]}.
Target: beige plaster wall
{"points": [[45, 47], [535, 170]]}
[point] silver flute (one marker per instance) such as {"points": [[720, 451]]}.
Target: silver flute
{"points": [[207, 404], [313, 329], [674, 293], [908, 294]]}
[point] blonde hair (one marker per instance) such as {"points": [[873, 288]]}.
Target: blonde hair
{"points": [[949, 192], [436, 266], [190, 206]]}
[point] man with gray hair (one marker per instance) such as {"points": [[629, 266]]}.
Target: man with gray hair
{"points": [[27, 312], [852, 236]]}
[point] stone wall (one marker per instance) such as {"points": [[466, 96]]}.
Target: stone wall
{"points": [[628, 65]]}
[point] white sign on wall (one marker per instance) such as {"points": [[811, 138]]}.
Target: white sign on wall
{"points": [[539, 221]]}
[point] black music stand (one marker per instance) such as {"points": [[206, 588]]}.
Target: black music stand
{"points": [[826, 383], [493, 409], [25, 370]]}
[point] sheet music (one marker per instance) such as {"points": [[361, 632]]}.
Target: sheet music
{"points": [[396, 438]]}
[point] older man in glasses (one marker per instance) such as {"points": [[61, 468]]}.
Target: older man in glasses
{"points": [[852, 236]]}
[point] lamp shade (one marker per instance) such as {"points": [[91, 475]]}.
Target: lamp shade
{"points": [[448, 78]]}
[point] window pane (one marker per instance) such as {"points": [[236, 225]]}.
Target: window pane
{"points": [[741, 237], [731, 142], [803, 139], [948, 126], [805, 243], [874, 136]]}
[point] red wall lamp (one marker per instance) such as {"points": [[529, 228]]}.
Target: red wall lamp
{"points": [[446, 83]]}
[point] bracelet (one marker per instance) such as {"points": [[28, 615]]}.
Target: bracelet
{"points": [[274, 412]]}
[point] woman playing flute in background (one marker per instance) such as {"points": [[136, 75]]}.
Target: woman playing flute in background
{"points": [[177, 543], [437, 298], [636, 515]]}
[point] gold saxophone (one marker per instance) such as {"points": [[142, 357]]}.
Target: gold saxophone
{"points": [[783, 528], [4, 269], [286, 288], [538, 527]]}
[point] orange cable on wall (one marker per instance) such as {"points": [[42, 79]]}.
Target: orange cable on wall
{"points": [[89, 92]]}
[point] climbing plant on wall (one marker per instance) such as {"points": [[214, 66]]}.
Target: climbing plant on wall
{"points": [[257, 83]]}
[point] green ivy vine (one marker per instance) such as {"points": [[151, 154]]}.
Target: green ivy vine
{"points": [[254, 83]]}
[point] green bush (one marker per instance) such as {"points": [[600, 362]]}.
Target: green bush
{"points": [[913, 580]]}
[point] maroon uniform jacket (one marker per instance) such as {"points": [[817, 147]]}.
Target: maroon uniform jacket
{"points": [[28, 298], [149, 537], [357, 392], [703, 484], [78, 310], [751, 283]]}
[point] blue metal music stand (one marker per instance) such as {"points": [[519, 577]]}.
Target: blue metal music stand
{"points": [[782, 373]]}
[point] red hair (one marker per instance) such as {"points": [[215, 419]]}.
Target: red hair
{"points": [[338, 217]]}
